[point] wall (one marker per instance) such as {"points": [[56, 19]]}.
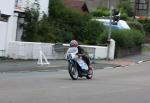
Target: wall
{"points": [[44, 6], [3, 32], [7, 34], [20, 5], [7, 6], [31, 50], [7, 29], [11, 31], [142, 12]]}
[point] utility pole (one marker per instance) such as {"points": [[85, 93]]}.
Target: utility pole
{"points": [[148, 7], [109, 4], [114, 18], [109, 34], [110, 24]]}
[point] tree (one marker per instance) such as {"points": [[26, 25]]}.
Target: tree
{"points": [[70, 23], [92, 32], [62, 24], [31, 25], [101, 12], [126, 7]]}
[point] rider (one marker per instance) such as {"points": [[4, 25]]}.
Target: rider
{"points": [[74, 43]]}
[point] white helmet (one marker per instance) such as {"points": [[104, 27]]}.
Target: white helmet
{"points": [[73, 43]]}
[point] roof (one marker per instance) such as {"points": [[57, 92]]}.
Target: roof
{"points": [[77, 4], [90, 5]]}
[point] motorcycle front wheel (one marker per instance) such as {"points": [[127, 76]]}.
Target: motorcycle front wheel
{"points": [[73, 71]]}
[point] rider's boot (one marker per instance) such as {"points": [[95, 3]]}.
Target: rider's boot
{"points": [[90, 67]]}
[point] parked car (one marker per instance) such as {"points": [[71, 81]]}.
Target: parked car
{"points": [[121, 25]]}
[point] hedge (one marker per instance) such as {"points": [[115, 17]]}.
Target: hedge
{"points": [[146, 25], [125, 38]]}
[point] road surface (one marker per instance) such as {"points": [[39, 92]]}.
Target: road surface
{"points": [[118, 85]]}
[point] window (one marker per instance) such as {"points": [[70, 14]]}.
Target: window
{"points": [[4, 17], [141, 7]]}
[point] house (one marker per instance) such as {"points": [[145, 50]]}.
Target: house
{"points": [[11, 19], [8, 24], [141, 7], [90, 5]]}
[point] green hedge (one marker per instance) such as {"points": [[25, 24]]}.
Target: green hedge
{"points": [[100, 12], [136, 25], [125, 38], [146, 25], [92, 31]]}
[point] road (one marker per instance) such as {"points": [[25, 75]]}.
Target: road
{"points": [[118, 85]]}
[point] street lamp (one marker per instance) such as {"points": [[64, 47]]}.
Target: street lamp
{"points": [[116, 16]]}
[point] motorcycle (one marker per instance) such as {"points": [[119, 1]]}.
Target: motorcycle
{"points": [[76, 65]]}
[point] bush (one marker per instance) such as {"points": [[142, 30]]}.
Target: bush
{"points": [[125, 39], [100, 12], [136, 25], [92, 31], [126, 7], [146, 24], [31, 25], [46, 31], [61, 25], [124, 16], [70, 23]]}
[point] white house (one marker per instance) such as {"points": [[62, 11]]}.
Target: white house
{"points": [[10, 20]]}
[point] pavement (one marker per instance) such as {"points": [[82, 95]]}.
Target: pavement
{"points": [[31, 65], [10, 65]]}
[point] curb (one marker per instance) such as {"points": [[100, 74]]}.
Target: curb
{"points": [[139, 62]]}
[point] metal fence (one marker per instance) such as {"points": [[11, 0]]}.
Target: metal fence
{"points": [[59, 50], [91, 52]]}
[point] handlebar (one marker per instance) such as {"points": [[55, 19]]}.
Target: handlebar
{"points": [[81, 55]]}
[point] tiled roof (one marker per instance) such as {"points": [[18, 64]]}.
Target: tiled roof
{"points": [[90, 4], [77, 4]]}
